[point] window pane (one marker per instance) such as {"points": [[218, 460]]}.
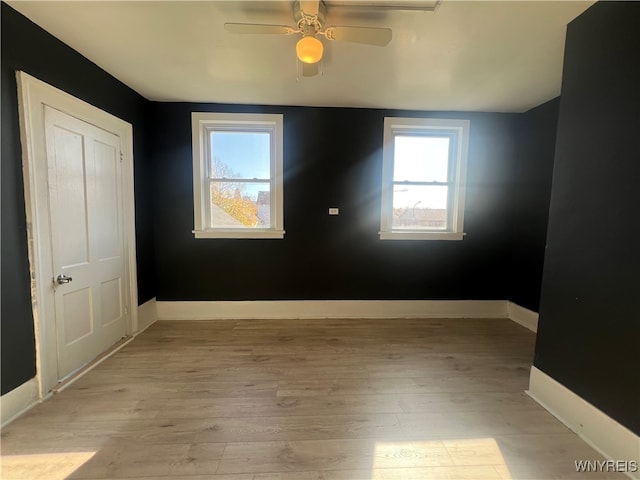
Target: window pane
{"points": [[240, 155], [420, 207], [420, 158], [240, 205]]}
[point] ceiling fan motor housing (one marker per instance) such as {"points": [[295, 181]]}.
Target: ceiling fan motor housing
{"points": [[309, 24]]}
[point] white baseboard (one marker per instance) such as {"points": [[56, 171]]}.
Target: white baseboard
{"points": [[18, 401], [331, 309], [612, 440], [270, 309], [523, 316], [147, 314]]}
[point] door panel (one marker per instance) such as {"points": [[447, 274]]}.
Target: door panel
{"points": [[77, 315], [107, 226], [85, 194], [111, 300], [68, 191]]}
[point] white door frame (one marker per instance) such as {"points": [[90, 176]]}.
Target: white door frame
{"points": [[33, 94]]}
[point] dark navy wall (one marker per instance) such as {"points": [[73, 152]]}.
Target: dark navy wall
{"points": [[332, 158], [17, 349], [589, 327], [27, 47], [531, 191]]}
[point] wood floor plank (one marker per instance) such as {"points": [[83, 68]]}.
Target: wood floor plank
{"points": [[401, 385], [476, 472], [480, 424], [280, 406], [139, 390], [261, 429], [307, 399], [330, 455], [240, 476], [124, 459]]}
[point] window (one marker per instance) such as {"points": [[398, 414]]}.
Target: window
{"points": [[423, 177], [237, 175]]}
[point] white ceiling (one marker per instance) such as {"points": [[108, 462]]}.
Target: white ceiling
{"points": [[475, 55]]}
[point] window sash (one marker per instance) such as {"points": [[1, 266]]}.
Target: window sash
{"points": [[236, 129], [239, 180], [409, 182], [450, 183], [213, 179]]}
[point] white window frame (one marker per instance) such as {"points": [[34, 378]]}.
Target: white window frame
{"points": [[459, 129], [202, 124]]}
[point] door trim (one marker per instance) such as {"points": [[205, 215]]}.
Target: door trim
{"points": [[33, 94]]}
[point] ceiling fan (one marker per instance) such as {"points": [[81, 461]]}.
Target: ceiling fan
{"points": [[309, 16]]}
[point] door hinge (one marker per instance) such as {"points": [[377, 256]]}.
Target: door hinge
{"points": [[121, 156], [126, 311]]}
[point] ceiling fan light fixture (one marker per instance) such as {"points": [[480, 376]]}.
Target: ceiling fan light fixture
{"points": [[309, 49]]}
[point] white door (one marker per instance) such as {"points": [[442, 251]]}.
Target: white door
{"points": [[87, 234]]}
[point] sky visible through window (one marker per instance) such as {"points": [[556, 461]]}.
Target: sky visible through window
{"points": [[420, 159]]}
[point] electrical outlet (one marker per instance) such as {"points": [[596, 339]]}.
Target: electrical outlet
{"points": [[334, 211]]}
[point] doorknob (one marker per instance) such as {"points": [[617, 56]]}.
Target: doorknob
{"points": [[62, 279]]}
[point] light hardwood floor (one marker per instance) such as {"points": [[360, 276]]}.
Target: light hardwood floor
{"points": [[399, 399]]}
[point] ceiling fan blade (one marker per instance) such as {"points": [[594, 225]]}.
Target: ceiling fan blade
{"points": [[259, 28], [310, 7], [367, 35], [310, 69]]}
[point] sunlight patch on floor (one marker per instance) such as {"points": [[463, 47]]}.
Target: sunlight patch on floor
{"points": [[49, 466], [463, 459]]}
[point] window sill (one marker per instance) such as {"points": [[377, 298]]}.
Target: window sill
{"points": [[413, 235], [253, 233]]}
